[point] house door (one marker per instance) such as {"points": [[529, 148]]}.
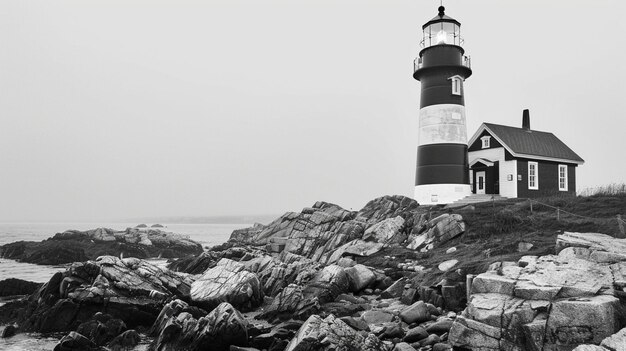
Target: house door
{"points": [[480, 182]]}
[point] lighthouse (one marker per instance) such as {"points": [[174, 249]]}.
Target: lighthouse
{"points": [[442, 174]]}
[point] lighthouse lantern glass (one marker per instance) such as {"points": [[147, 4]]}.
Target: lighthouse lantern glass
{"points": [[442, 33]]}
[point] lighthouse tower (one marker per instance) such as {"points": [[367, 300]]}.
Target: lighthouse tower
{"points": [[442, 174]]}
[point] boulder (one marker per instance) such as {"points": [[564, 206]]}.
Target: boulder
{"points": [[359, 277], [327, 284], [376, 317], [101, 332], [227, 282], [416, 313], [8, 331], [75, 342], [582, 320], [440, 327], [415, 334], [356, 247], [473, 335], [329, 334]]}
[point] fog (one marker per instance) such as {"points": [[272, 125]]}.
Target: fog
{"points": [[122, 109]]}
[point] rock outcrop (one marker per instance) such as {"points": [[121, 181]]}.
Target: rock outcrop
{"points": [[129, 289], [553, 302], [178, 329], [436, 231], [318, 232], [331, 333], [227, 282], [76, 246], [303, 301]]}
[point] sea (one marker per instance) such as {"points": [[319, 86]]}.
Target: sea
{"points": [[206, 234]]}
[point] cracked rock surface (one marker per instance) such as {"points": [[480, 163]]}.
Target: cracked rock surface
{"points": [[553, 302]]}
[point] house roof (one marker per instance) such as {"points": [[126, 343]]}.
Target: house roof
{"points": [[530, 143]]}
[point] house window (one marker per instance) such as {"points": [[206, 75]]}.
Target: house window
{"points": [[485, 141], [456, 85], [533, 179], [563, 177]]}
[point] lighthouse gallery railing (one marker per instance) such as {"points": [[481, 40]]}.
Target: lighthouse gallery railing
{"points": [[466, 61]]}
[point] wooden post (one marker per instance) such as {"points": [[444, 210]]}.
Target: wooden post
{"points": [[468, 286], [558, 214], [531, 205]]}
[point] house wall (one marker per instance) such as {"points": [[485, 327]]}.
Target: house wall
{"points": [[508, 188], [548, 179]]}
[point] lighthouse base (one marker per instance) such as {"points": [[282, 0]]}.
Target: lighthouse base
{"points": [[441, 194]]}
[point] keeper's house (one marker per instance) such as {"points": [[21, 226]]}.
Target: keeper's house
{"points": [[520, 162]]}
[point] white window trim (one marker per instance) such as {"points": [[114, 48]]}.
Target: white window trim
{"points": [[536, 176], [564, 178], [456, 84], [486, 142]]}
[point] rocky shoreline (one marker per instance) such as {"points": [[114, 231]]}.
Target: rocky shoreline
{"points": [[381, 278], [76, 246]]}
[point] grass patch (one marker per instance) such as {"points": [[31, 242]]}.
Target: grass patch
{"points": [[494, 230]]}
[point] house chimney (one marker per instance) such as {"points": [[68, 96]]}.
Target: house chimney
{"points": [[526, 120]]}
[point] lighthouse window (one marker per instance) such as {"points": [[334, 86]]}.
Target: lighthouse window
{"points": [[533, 182], [456, 85]]}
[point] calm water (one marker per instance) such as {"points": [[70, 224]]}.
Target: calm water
{"points": [[206, 234]]}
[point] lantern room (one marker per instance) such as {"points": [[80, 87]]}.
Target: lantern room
{"points": [[441, 30]]}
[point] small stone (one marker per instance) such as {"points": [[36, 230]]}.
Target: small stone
{"points": [[447, 265], [451, 250], [376, 317], [442, 347]]}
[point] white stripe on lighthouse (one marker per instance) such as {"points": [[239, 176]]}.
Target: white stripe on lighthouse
{"points": [[442, 124], [434, 194]]}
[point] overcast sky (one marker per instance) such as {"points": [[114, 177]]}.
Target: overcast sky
{"points": [[121, 109]]}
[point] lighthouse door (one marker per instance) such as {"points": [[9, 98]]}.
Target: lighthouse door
{"points": [[480, 182]]}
